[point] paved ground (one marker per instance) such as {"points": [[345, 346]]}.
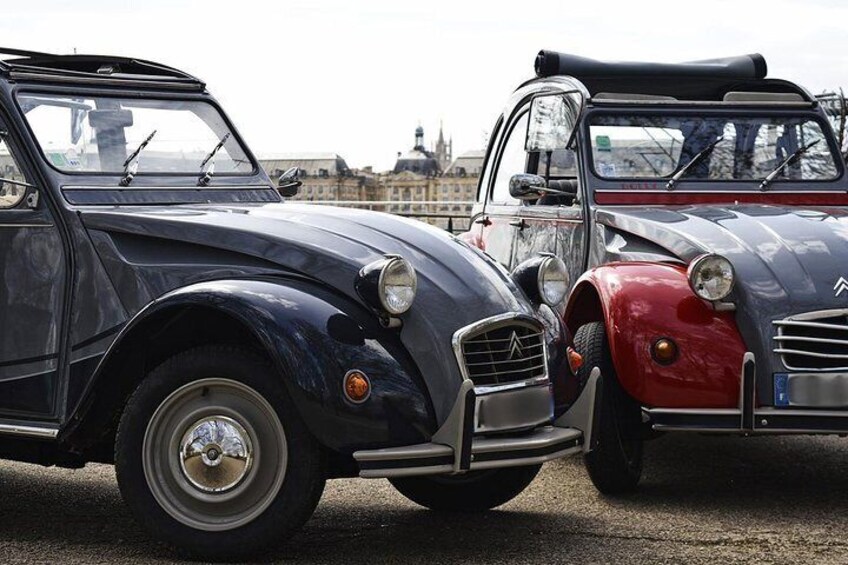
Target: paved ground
{"points": [[703, 500]]}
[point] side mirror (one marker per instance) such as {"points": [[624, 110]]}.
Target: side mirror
{"points": [[525, 186], [289, 183], [553, 120]]}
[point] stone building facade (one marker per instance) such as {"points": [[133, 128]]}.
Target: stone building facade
{"points": [[325, 176], [427, 185]]}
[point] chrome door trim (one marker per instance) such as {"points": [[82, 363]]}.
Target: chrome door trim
{"points": [[29, 431]]}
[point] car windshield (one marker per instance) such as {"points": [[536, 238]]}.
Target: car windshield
{"points": [[98, 134], [746, 148]]}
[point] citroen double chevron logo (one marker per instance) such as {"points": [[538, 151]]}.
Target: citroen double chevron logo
{"points": [[840, 286], [515, 351]]}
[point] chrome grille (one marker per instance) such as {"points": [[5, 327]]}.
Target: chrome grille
{"points": [[814, 341], [507, 352]]}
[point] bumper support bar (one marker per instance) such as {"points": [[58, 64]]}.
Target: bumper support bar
{"points": [[455, 449]]}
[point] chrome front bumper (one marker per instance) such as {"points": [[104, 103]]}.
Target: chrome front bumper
{"points": [[455, 448], [751, 419]]}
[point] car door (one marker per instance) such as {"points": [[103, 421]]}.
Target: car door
{"points": [[518, 230], [554, 223], [500, 219], [32, 264]]}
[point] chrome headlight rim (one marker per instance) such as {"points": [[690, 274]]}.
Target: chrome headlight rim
{"points": [[371, 285], [694, 269], [391, 261], [530, 277], [551, 264]]}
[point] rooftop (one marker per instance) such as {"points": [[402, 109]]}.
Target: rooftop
{"points": [[708, 80], [37, 66]]}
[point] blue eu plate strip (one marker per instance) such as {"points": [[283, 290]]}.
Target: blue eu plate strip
{"points": [[781, 389]]}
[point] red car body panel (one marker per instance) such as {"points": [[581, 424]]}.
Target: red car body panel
{"points": [[643, 302]]}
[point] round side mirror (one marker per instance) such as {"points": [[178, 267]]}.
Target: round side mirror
{"points": [[289, 183], [525, 186]]}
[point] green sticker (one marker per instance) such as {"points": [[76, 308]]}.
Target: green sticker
{"points": [[603, 143], [57, 159]]}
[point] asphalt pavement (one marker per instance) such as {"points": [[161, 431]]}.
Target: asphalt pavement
{"points": [[703, 500]]}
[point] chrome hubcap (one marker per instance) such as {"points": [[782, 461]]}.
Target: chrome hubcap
{"points": [[216, 454]]}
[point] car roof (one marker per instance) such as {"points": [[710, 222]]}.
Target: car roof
{"points": [[703, 81], [94, 70]]}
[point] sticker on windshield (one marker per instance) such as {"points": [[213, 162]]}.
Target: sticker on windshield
{"points": [[72, 160], [603, 143], [606, 169], [58, 159]]}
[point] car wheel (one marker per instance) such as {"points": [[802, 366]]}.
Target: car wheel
{"points": [[615, 462], [211, 456], [475, 491]]}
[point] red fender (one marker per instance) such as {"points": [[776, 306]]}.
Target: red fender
{"points": [[640, 302]]}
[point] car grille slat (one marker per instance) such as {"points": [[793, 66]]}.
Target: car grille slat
{"points": [[505, 353], [506, 340], [528, 349], [811, 339], [815, 341], [539, 356], [503, 373]]}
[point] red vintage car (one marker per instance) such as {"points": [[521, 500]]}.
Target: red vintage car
{"points": [[701, 210]]}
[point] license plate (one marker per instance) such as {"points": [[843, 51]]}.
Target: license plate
{"points": [[812, 390]]}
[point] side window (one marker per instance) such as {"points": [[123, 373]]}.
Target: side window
{"points": [[11, 194], [483, 187], [563, 164], [513, 160]]}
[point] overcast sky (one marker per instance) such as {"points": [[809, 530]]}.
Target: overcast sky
{"points": [[356, 77]]}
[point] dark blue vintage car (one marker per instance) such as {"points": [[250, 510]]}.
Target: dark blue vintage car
{"points": [[701, 210], [164, 311]]}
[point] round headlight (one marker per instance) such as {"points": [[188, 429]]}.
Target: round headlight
{"points": [[397, 286], [552, 280], [388, 285], [543, 279], [711, 277]]}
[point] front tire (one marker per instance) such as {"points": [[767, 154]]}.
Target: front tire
{"points": [[615, 463], [475, 491], [212, 457]]}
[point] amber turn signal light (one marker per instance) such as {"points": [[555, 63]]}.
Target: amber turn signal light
{"points": [[575, 360], [357, 387], [664, 351]]}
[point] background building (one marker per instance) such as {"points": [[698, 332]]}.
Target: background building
{"points": [[325, 176], [427, 185]]}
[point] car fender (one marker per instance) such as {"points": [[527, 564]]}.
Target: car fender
{"points": [[313, 337], [641, 302]]}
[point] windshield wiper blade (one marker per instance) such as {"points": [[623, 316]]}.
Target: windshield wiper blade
{"points": [[700, 156], [786, 162], [131, 164], [206, 175]]}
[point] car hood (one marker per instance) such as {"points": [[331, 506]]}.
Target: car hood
{"points": [[457, 285], [790, 257]]}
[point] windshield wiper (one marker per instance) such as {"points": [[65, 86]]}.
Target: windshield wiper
{"points": [[206, 176], [786, 162], [700, 156], [131, 164]]}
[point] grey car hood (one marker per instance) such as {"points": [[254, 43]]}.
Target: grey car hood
{"points": [[457, 285], [787, 259]]}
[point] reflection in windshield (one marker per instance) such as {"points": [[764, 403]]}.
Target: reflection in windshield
{"points": [[660, 146], [97, 135]]}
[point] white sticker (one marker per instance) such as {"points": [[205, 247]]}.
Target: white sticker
{"points": [[607, 169]]}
